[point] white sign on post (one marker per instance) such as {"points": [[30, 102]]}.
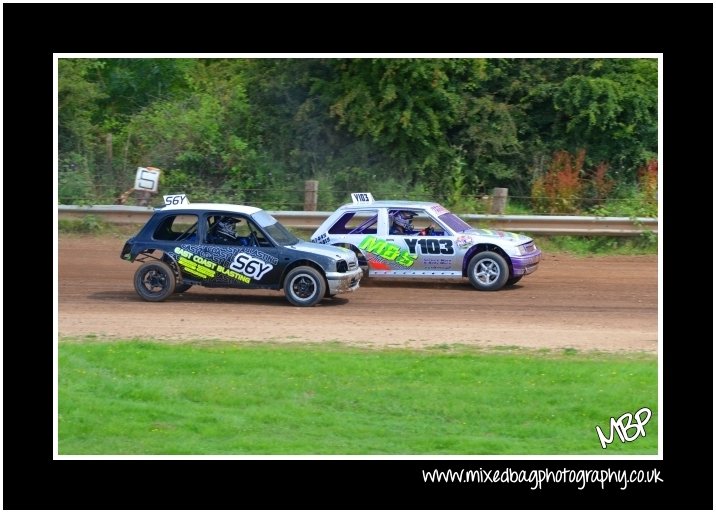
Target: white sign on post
{"points": [[147, 179]]}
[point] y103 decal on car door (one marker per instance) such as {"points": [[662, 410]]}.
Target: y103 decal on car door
{"points": [[430, 246]]}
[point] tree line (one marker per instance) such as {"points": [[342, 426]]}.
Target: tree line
{"points": [[251, 130]]}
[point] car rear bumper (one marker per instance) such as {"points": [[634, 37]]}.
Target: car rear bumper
{"points": [[126, 253], [526, 264], [339, 283]]}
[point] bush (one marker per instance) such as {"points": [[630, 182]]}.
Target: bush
{"points": [[74, 180], [88, 224], [630, 200], [559, 190]]}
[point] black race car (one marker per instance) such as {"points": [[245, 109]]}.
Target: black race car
{"points": [[236, 246]]}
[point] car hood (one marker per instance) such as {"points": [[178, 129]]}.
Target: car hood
{"points": [[324, 250], [515, 238]]}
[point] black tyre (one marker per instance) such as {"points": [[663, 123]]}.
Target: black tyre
{"points": [[514, 280], [182, 287], [154, 281], [488, 271], [304, 286]]}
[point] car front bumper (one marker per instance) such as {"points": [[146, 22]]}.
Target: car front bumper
{"points": [[526, 264], [339, 283]]}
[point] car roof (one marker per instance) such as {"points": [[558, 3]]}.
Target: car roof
{"points": [[227, 207], [400, 204]]}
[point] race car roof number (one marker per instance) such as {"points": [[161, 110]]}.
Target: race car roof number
{"points": [[362, 197], [176, 199]]}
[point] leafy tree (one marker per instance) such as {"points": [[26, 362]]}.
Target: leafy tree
{"points": [[78, 103], [131, 84], [444, 129], [198, 137], [403, 105], [611, 109]]}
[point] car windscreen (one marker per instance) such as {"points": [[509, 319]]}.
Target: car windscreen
{"points": [[274, 229], [454, 222]]}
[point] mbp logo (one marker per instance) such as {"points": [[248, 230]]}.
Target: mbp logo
{"points": [[623, 424]]}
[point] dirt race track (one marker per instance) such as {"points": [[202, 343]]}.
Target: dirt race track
{"points": [[597, 303]]}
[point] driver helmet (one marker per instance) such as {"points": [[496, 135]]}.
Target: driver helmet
{"points": [[225, 226], [404, 219]]}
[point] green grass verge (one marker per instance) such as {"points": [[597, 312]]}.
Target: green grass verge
{"points": [[645, 244], [145, 398], [93, 225]]}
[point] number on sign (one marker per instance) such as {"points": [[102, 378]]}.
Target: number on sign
{"points": [[147, 179], [362, 197]]}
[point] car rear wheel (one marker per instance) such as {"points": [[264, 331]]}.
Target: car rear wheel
{"points": [[182, 287], [304, 286], [488, 271], [154, 281]]}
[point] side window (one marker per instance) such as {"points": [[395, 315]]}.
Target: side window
{"points": [[425, 225], [243, 229], [234, 230], [361, 222], [224, 230], [177, 228], [256, 236], [413, 222]]}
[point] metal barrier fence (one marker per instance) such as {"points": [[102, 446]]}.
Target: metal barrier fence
{"points": [[543, 225]]}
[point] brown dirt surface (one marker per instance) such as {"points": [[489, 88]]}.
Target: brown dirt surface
{"points": [[590, 303]]}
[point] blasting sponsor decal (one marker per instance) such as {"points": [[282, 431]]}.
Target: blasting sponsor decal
{"points": [[387, 251], [201, 263], [195, 264], [203, 268]]}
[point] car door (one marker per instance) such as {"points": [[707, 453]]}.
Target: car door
{"points": [[385, 253], [428, 248], [243, 259]]}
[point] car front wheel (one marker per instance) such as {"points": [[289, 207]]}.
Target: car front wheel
{"points": [[514, 280], [154, 281], [488, 271], [304, 286]]}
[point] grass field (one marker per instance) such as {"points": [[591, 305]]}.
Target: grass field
{"points": [[147, 398]]}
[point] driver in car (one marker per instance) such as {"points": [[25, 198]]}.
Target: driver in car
{"points": [[402, 223], [224, 231]]}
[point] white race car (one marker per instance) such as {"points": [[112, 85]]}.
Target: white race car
{"points": [[420, 239]]}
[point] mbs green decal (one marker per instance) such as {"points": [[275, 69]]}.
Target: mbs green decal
{"points": [[387, 250]]}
